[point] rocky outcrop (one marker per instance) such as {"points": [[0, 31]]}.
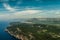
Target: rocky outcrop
{"points": [[19, 36]]}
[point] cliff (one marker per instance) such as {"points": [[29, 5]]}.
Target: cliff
{"points": [[29, 31]]}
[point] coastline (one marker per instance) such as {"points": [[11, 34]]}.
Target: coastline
{"points": [[6, 30]]}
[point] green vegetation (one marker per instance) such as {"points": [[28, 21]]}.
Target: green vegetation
{"points": [[35, 31]]}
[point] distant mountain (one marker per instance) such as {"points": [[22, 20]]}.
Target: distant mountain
{"points": [[45, 20]]}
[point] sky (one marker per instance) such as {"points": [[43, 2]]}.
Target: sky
{"points": [[16, 9]]}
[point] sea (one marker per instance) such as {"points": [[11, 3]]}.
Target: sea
{"points": [[4, 35]]}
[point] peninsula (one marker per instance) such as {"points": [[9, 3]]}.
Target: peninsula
{"points": [[32, 31]]}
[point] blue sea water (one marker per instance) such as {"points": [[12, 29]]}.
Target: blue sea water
{"points": [[4, 35]]}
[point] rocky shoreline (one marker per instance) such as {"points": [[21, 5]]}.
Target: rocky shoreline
{"points": [[6, 30], [19, 37]]}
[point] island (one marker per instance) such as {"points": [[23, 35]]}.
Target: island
{"points": [[35, 29], [32, 31]]}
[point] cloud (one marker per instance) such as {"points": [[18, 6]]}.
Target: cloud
{"points": [[25, 12], [17, 15], [31, 14], [8, 7]]}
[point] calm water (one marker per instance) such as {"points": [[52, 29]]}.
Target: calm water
{"points": [[4, 35]]}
